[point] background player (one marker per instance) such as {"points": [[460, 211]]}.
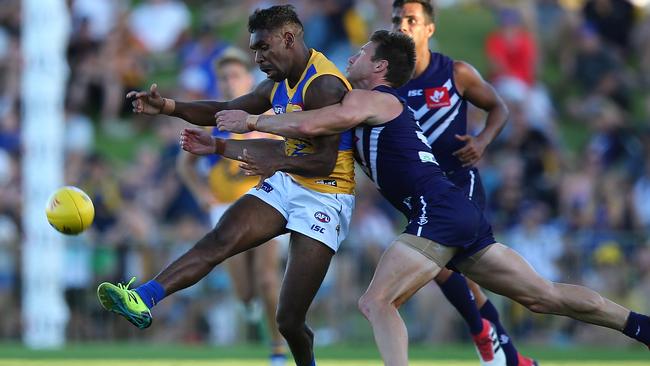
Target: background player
{"points": [[438, 94], [444, 225], [310, 195], [256, 271]]}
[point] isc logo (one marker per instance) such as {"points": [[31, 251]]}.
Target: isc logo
{"points": [[415, 93], [318, 229], [322, 217], [278, 109]]}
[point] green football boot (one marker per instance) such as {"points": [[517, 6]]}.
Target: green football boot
{"points": [[119, 299]]}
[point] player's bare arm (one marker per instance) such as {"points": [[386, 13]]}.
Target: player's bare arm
{"points": [[358, 106], [201, 142], [201, 112], [325, 89], [186, 168], [477, 91]]}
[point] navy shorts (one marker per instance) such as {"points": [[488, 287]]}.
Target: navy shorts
{"points": [[452, 220], [470, 182]]}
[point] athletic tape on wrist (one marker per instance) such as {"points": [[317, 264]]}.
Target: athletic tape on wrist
{"points": [[251, 122]]}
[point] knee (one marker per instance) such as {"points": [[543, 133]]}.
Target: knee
{"points": [[543, 300], [289, 323], [215, 247], [373, 306], [554, 300], [443, 276]]}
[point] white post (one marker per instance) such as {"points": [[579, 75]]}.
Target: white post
{"points": [[45, 32]]}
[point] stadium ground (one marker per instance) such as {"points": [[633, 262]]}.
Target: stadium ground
{"points": [[262, 362], [357, 355]]}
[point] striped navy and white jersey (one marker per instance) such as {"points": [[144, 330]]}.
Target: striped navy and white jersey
{"points": [[439, 109], [398, 159]]}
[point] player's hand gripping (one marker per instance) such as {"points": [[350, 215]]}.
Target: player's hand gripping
{"points": [[232, 121], [257, 165], [197, 141], [150, 102], [472, 152]]}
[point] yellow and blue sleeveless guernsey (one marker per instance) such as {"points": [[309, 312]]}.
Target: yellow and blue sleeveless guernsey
{"points": [[226, 180], [285, 99]]}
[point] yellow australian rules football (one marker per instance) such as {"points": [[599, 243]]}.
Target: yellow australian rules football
{"points": [[69, 210]]}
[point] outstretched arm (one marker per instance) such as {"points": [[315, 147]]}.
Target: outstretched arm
{"points": [[264, 154], [358, 106], [201, 142], [200, 112], [268, 154], [477, 91]]}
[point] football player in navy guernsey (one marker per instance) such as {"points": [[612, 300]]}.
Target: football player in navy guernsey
{"points": [[444, 226], [438, 93]]}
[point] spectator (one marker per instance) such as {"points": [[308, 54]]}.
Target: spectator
{"points": [[597, 69], [159, 24], [613, 20], [538, 240], [511, 50]]}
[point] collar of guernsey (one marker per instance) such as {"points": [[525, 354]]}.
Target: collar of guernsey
{"points": [[285, 100]]}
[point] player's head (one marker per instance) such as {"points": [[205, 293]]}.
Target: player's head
{"points": [[276, 33], [415, 18], [234, 74], [389, 57]]}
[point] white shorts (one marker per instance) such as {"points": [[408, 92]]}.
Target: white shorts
{"points": [[321, 216], [216, 211]]}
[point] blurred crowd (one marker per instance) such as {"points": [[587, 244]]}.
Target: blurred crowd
{"points": [[568, 180]]}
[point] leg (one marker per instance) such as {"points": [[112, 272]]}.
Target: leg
{"points": [[479, 296], [455, 289], [503, 271], [246, 224], [489, 312], [239, 272], [401, 271], [266, 266], [307, 265], [484, 335]]}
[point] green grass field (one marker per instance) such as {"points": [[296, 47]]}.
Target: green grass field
{"points": [[257, 362], [361, 355]]}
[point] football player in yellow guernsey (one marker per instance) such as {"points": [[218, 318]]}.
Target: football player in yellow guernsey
{"points": [[308, 192], [254, 273]]}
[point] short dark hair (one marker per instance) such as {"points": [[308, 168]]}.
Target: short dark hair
{"points": [[399, 50], [273, 18], [426, 6]]}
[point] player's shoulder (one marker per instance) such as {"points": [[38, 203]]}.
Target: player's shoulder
{"points": [[324, 90], [465, 73], [440, 60], [322, 64]]}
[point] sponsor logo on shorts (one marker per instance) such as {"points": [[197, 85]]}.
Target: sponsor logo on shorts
{"points": [[318, 229], [327, 182], [322, 217], [266, 187]]}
